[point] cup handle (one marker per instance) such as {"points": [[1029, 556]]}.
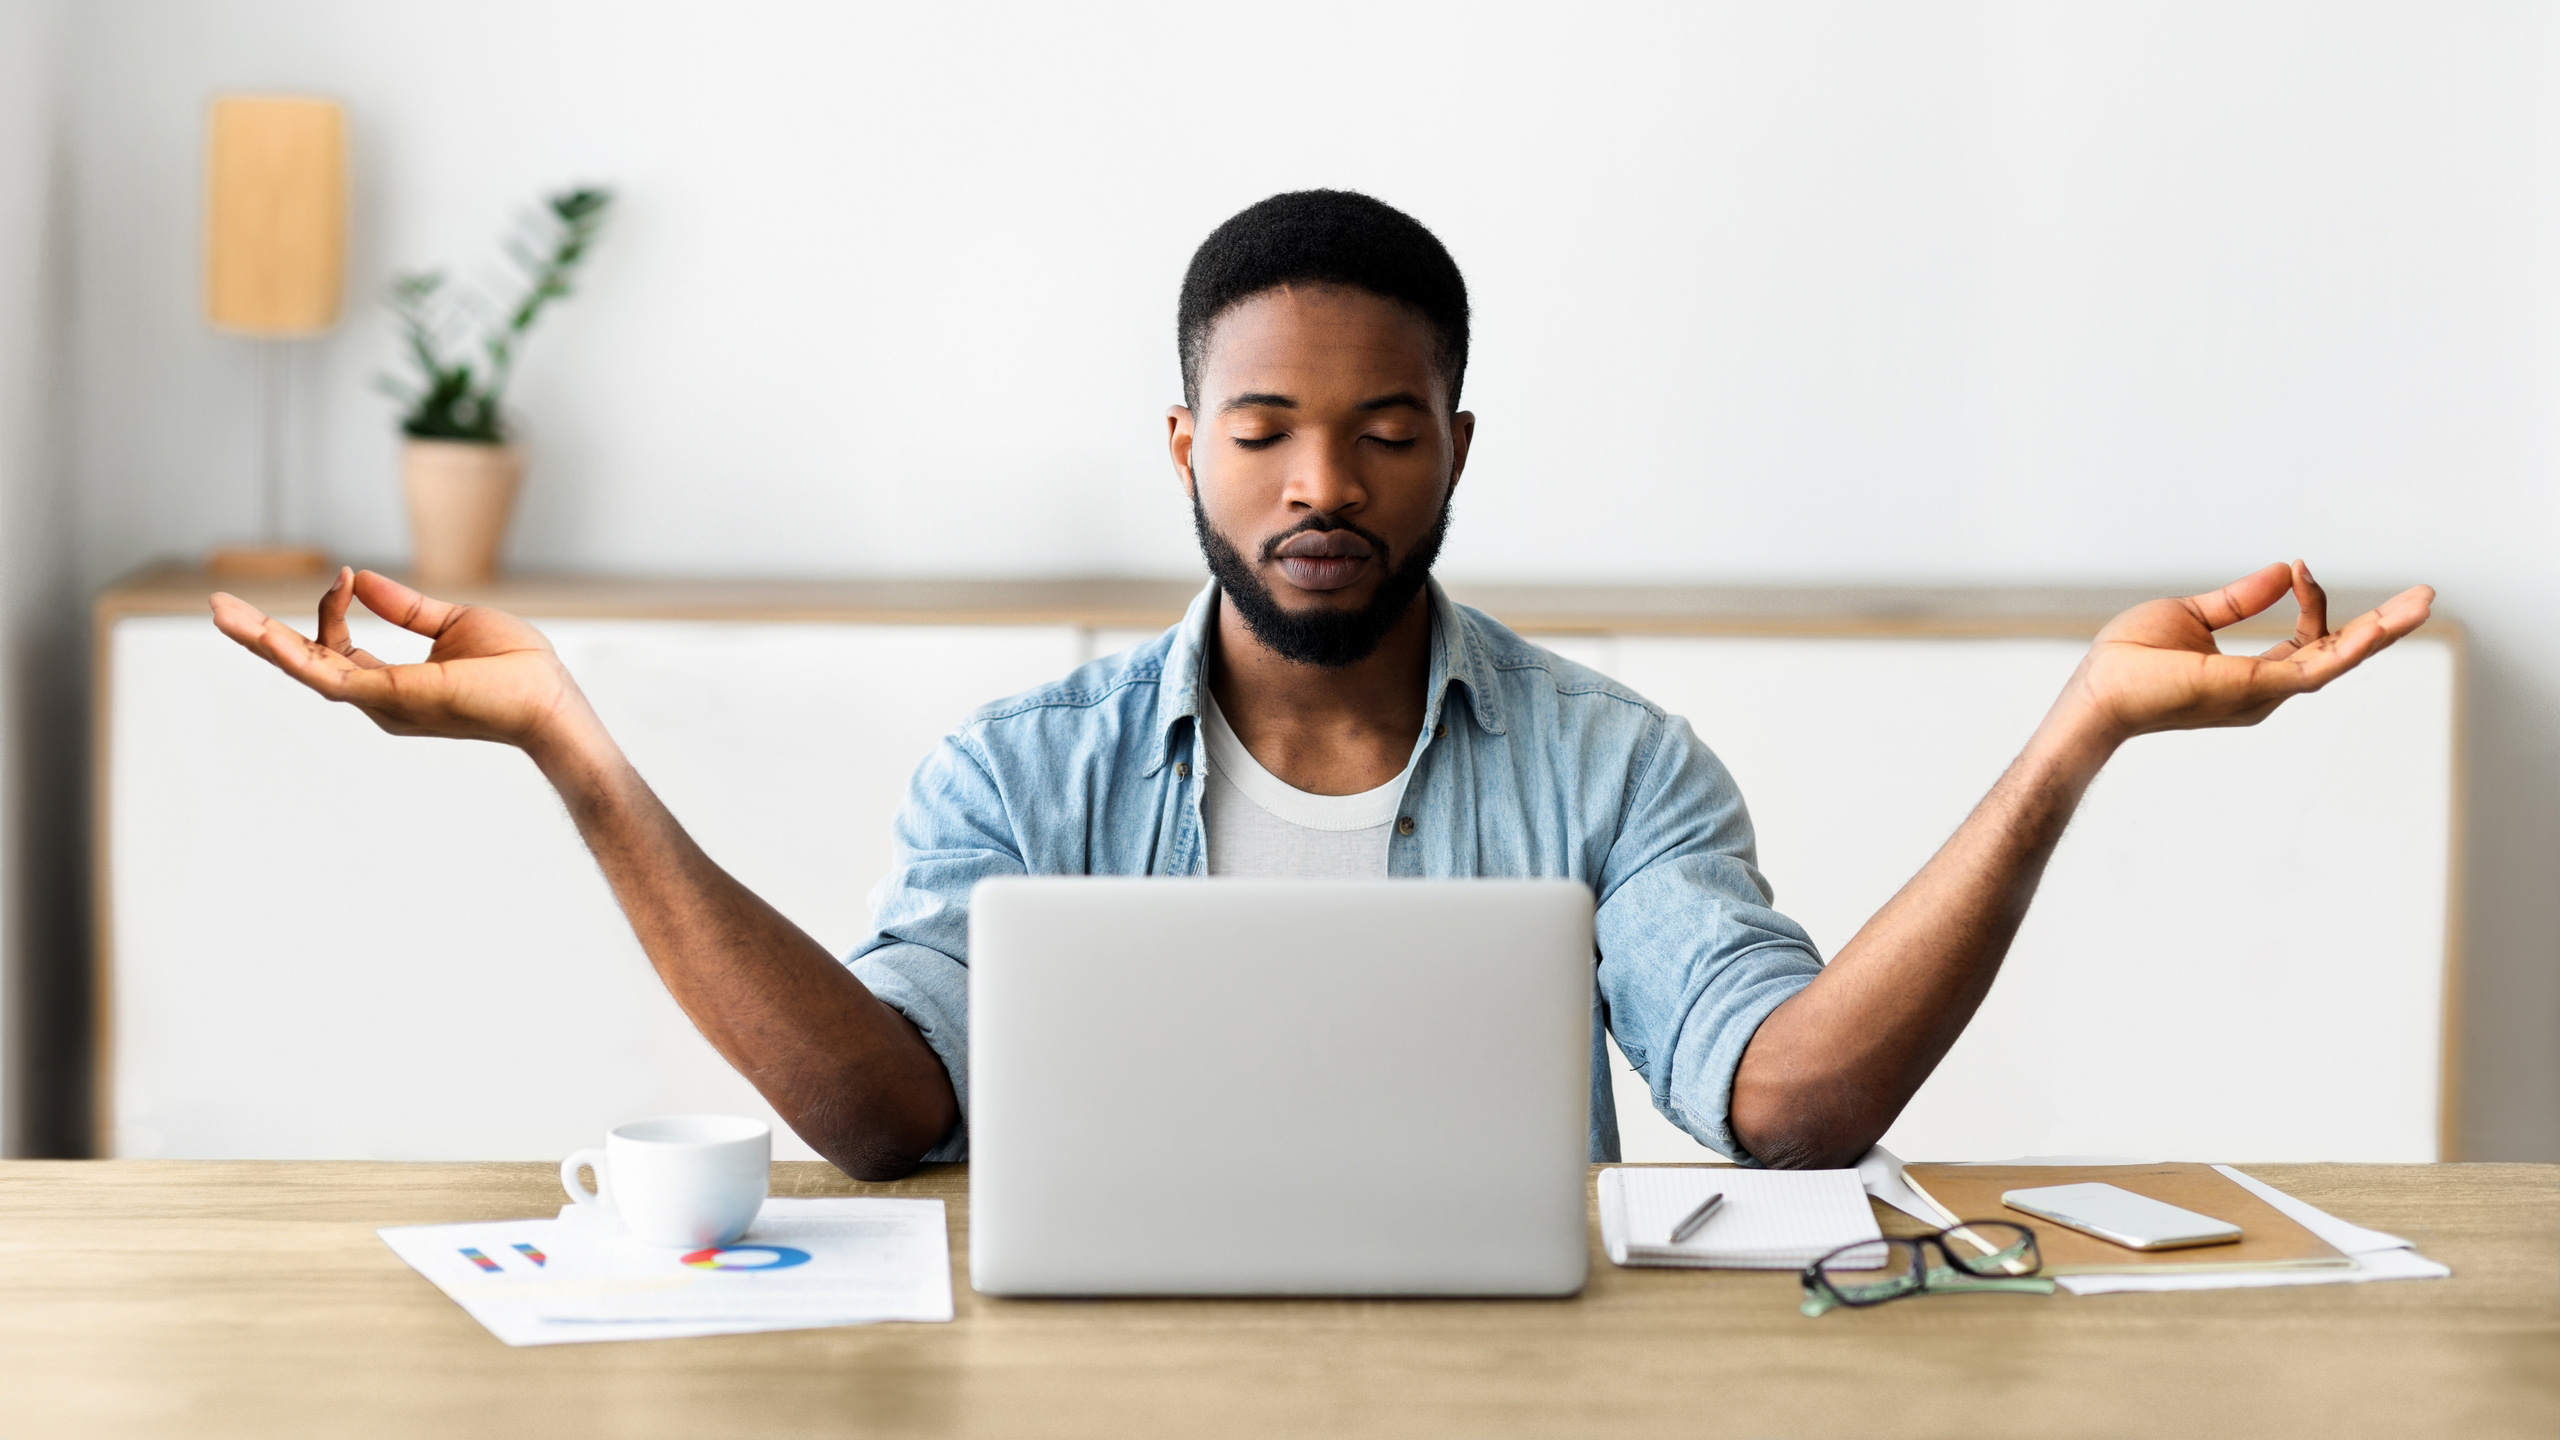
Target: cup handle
{"points": [[600, 1197]]}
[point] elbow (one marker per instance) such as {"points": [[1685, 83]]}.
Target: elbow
{"points": [[876, 1153], [877, 1142], [1805, 1147], [880, 1124], [875, 1163], [1796, 1125]]}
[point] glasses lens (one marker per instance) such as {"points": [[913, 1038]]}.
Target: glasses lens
{"points": [[1993, 1247], [1866, 1274]]}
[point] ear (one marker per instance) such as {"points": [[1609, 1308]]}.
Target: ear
{"points": [[1462, 436], [1177, 424]]}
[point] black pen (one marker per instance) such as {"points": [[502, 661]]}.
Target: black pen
{"points": [[1706, 1211]]}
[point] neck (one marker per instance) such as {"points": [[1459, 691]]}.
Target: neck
{"points": [[1328, 730]]}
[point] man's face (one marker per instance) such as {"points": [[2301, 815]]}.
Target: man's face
{"points": [[1320, 465]]}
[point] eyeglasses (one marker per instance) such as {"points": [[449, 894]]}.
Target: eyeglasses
{"points": [[1977, 1255]]}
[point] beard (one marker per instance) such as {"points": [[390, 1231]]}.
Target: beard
{"points": [[1331, 638]]}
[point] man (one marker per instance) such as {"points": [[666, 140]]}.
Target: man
{"points": [[1325, 710]]}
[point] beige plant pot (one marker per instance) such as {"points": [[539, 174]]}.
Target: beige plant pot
{"points": [[460, 495]]}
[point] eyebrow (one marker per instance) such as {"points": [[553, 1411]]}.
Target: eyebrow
{"points": [[1401, 400], [1264, 400]]}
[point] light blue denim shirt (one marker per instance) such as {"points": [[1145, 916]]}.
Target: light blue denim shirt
{"points": [[1527, 765]]}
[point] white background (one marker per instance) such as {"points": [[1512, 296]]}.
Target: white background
{"points": [[2134, 291]]}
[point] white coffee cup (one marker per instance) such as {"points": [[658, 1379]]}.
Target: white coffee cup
{"points": [[689, 1180]]}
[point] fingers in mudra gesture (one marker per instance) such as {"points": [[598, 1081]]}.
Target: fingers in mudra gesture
{"points": [[2156, 667], [488, 676]]}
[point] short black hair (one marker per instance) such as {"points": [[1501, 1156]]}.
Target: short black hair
{"points": [[1326, 237]]}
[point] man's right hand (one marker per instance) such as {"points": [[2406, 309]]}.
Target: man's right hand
{"points": [[490, 676], [853, 1076]]}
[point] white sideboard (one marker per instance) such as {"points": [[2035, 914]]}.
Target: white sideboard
{"points": [[317, 940]]}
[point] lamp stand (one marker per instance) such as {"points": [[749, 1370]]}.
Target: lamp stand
{"points": [[271, 556]]}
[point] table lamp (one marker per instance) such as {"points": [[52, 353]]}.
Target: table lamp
{"points": [[275, 259]]}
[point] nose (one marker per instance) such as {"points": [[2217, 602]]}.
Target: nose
{"points": [[1324, 479]]}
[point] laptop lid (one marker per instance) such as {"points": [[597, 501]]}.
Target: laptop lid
{"points": [[1276, 1087]]}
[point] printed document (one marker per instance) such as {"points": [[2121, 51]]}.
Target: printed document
{"points": [[2377, 1256], [805, 1263]]}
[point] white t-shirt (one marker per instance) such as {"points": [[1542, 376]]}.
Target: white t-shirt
{"points": [[1260, 825]]}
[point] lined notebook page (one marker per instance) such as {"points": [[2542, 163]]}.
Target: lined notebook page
{"points": [[1771, 1219]]}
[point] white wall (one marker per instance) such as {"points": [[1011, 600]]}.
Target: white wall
{"points": [[2125, 292], [40, 671]]}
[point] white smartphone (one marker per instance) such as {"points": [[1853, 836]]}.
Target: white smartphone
{"points": [[2115, 1214]]}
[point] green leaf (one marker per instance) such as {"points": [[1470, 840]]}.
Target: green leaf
{"points": [[457, 403]]}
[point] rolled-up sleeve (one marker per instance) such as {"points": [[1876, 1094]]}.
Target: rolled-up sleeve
{"points": [[952, 832], [1692, 956]]}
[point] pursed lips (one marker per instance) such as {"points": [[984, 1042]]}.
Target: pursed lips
{"points": [[1322, 559]]}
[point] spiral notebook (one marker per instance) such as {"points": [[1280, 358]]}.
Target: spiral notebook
{"points": [[1770, 1219]]}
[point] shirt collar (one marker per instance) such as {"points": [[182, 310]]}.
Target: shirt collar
{"points": [[1457, 657]]}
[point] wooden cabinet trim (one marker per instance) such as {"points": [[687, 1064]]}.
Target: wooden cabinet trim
{"points": [[1110, 603]]}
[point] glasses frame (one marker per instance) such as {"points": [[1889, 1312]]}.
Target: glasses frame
{"points": [[1815, 1283]]}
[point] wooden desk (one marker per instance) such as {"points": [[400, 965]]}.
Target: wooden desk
{"points": [[252, 1299]]}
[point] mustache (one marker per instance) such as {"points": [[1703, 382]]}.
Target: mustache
{"points": [[1324, 525]]}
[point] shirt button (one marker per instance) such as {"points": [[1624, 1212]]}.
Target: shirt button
{"points": [[1404, 824], [1440, 732], [1182, 768]]}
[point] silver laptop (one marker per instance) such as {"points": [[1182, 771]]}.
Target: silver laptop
{"points": [[1278, 1087]]}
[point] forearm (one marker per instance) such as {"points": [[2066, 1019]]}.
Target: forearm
{"points": [[850, 1074], [1831, 1068]]}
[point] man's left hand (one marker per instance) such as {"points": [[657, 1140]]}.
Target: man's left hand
{"points": [[2156, 667]]}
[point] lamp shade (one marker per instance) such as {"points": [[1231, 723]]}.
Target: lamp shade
{"points": [[275, 213]]}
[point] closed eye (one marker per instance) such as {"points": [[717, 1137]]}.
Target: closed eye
{"points": [[1260, 442], [1404, 444]]}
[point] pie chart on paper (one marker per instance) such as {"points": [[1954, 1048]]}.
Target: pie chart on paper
{"points": [[747, 1257]]}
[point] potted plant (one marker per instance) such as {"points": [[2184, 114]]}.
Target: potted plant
{"points": [[457, 462]]}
